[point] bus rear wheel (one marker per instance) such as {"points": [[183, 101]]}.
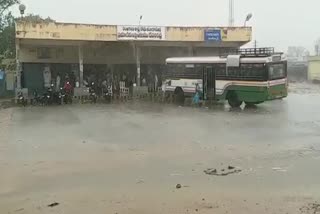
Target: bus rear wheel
{"points": [[179, 96], [233, 101]]}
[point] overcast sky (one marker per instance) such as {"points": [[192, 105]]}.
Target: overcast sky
{"points": [[279, 23]]}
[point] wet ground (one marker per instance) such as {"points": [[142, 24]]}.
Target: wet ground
{"points": [[129, 158]]}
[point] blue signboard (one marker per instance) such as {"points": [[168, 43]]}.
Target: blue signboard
{"points": [[212, 35]]}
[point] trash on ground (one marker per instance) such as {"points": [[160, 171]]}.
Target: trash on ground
{"points": [[310, 208], [141, 181], [176, 174], [279, 169], [53, 204], [210, 171], [223, 172]]}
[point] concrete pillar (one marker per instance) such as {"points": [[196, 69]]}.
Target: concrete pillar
{"points": [[137, 48], [81, 66], [112, 71], [19, 65]]}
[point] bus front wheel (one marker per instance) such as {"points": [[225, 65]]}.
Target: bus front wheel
{"points": [[233, 101]]}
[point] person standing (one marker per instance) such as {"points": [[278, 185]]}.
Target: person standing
{"points": [[156, 83], [68, 87], [47, 77], [58, 82], [144, 82], [104, 86], [196, 97]]}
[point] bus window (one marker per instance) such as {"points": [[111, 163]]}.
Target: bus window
{"points": [[277, 71], [253, 71], [233, 72], [182, 71], [220, 70]]}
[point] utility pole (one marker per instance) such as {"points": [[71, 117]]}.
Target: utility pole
{"points": [[22, 9], [137, 52], [231, 13]]}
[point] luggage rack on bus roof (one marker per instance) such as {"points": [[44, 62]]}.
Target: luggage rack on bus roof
{"points": [[249, 52]]}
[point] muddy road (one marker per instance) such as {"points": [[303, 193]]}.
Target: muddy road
{"points": [[130, 158]]}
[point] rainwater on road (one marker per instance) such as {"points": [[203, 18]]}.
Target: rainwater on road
{"points": [[129, 158]]}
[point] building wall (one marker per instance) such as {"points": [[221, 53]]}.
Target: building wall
{"points": [[65, 31], [57, 45], [298, 72], [60, 54], [111, 54], [184, 34], [236, 34], [87, 32], [314, 68]]}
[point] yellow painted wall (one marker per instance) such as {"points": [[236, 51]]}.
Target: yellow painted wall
{"points": [[64, 31], [314, 68], [236, 34], [57, 55], [112, 54], [184, 34], [86, 32]]}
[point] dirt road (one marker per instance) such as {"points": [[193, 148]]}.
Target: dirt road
{"points": [[129, 158]]}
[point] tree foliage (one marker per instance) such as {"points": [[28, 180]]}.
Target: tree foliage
{"points": [[6, 4], [32, 18], [7, 36], [7, 30]]}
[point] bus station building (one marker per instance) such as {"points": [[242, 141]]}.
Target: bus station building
{"points": [[88, 51]]}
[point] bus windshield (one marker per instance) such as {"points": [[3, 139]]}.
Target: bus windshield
{"points": [[277, 71]]}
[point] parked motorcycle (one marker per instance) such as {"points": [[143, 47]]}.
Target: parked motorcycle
{"points": [[67, 97], [21, 99], [37, 99], [59, 97], [107, 94], [48, 97]]}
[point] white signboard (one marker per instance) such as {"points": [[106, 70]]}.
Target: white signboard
{"points": [[141, 33]]}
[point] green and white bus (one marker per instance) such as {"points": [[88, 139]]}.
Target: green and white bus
{"points": [[253, 76]]}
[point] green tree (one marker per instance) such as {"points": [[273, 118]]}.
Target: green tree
{"points": [[7, 36], [7, 30], [32, 18], [5, 5]]}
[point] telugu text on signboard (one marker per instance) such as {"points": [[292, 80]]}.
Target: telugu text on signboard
{"points": [[212, 35], [140, 33]]}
